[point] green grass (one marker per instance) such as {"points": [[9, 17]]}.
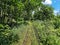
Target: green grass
{"points": [[26, 35], [21, 33], [37, 33]]}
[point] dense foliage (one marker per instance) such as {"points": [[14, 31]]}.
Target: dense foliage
{"points": [[47, 34], [33, 13], [6, 35]]}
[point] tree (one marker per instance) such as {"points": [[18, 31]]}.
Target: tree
{"points": [[13, 11], [30, 6], [45, 13]]}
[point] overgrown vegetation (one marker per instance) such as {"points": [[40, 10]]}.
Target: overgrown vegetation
{"points": [[24, 22]]}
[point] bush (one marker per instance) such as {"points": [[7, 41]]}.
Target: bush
{"points": [[6, 35], [47, 35]]}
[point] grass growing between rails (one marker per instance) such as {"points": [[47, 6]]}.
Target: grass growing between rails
{"points": [[26, 34]]}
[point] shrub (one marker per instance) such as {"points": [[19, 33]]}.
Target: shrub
{"points": [[6, 35]]}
